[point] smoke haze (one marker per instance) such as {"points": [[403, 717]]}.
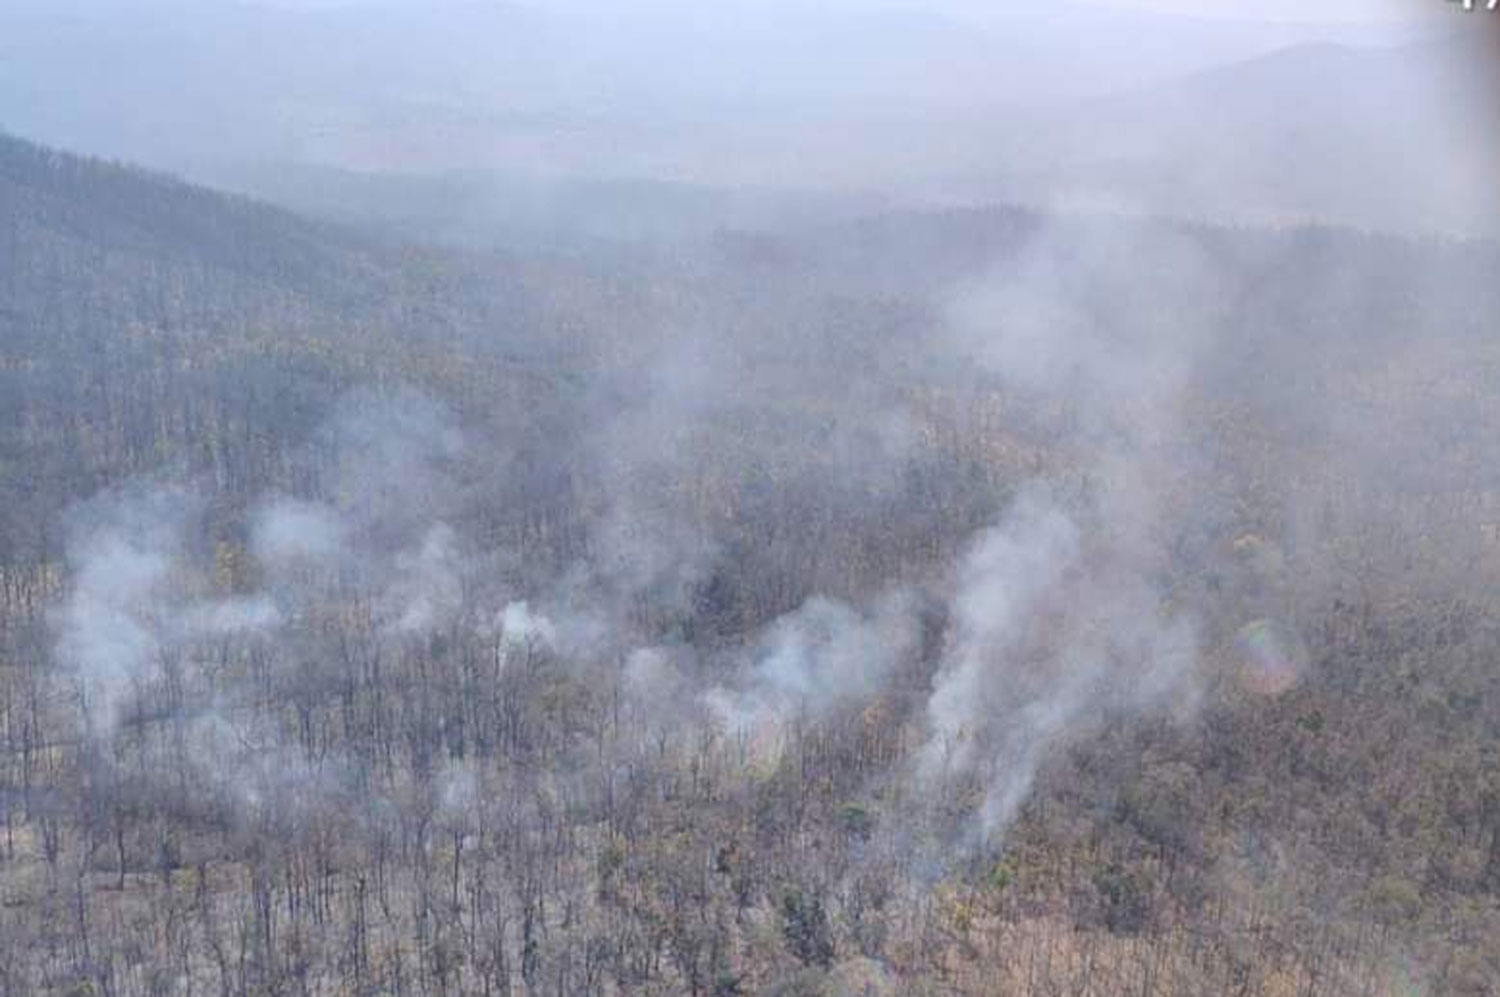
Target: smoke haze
{"points": [[789, 499]]}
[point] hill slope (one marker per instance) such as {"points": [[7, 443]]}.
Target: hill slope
{"points": [[934, 603]]}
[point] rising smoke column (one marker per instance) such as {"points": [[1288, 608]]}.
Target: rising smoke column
{"points": [[139, 598], [1062, 611]]}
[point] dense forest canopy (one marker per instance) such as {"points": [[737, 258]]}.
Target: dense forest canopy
{"points": [[796, 594]]}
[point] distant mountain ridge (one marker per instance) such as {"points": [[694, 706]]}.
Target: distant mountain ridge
{"points": [[1399, 139], [643, 90]]}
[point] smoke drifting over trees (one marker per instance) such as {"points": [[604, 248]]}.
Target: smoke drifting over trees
{"points": [[896, 588]]}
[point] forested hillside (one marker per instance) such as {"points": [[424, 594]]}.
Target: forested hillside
{"points": [[945, 602]]}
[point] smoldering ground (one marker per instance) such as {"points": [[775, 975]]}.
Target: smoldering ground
{"points": [[1061, 610], [934, 597]]}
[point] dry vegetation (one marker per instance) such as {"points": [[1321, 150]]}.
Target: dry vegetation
{"points": [[406, 785]]}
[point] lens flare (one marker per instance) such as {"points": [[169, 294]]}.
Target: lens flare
{"points": [[1270, 663]]}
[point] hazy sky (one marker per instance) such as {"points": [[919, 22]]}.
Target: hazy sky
{"points": [[1374, 11]]}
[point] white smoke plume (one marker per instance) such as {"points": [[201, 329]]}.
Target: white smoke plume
{"points": [[1050, 631], [143, 594], [428, 587], [290, 531], [1062, 612], [519, 626], [108, 632], [138, 596], [823, 655], [1003, 581]]}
